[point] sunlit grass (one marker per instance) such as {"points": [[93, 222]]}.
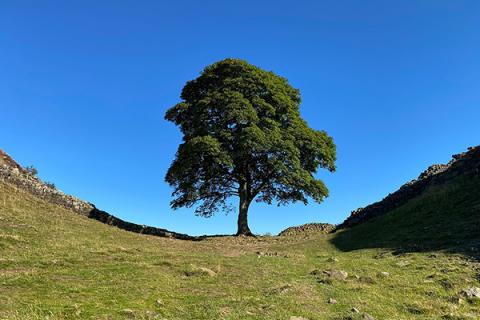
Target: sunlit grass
{"points": [[55, 264]]}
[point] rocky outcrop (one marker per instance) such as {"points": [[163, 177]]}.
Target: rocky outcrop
{"points": [[14, 174], [467, 163], [309, 228], [7, 161]]}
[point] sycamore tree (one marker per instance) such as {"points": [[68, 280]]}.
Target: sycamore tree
{"points": [[243, 136]]}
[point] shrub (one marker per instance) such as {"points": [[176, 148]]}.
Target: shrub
{"points": [[31, 170], [51, 185]]}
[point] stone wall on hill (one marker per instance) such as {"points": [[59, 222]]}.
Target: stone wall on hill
{"points": [[12, 173], [467, 163], [7, 161], [309, 228], [33, 185]]}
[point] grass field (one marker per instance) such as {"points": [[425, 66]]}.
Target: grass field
{"points": [[55, 264]]}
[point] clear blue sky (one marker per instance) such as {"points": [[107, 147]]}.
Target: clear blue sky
{"points": [[84, 86]]}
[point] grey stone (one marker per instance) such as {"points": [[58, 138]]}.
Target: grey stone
{"points": [[208, 271], [403, 263], [471, 293], [336, 274]]}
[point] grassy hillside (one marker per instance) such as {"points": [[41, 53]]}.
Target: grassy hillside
{"points": [[445, 217], [55, 264]]}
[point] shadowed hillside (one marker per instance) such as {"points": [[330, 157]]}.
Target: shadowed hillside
{"points": [[443, 215]]}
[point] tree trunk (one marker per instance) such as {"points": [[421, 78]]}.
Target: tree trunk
{"points": [[243, 229]]}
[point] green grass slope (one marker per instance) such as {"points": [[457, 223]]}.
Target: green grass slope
{"points": [[55, 264], [445, 217]]}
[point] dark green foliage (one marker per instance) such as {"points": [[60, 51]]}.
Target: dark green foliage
{"points": [[31, 170], [51, 185], [243, 136]]}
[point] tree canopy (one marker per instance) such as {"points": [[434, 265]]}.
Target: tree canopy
{"points": [[243, 136]]}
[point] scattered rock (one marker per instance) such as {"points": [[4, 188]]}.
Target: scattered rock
{"points": [[471, 293], [128, 312], [277, 254], [267, 254], [366, 316], [332, 259], [383, 274], [309, 228], [366, 279], [355, 310], [336, 274], [208, 271], [327, 276], [403, 263], [159, 302], [332, 301], [283, 289]]}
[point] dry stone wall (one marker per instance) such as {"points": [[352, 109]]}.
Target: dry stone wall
{"points": [[309, 228], [467, 163], [12, 173]]}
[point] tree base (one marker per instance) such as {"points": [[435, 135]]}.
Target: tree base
{"points": [[245, 234]]}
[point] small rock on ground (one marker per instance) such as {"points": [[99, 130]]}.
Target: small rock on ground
{"points": [[403, 263], [283, 289], [336, 274], [473, 292], [128, 312], [366, 279], [208, 271]]}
